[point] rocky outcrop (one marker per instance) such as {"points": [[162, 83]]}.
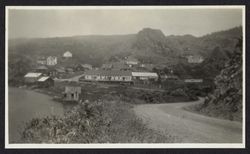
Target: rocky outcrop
{"points": [[226, 100], [152, 40]]}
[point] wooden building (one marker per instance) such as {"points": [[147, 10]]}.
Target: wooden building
{"points": [[45, 82], [145, 76], [72, 93], [107, 75], [67, 54], [32, 77], [41, 60], [51, 60], [195, 59]]}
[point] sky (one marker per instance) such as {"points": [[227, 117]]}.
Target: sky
{"points": [[56, 23]]}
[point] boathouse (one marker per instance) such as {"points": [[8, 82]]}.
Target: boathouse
{"points": [[72, 93]]}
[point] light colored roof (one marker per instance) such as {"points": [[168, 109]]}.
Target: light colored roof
{"points": [[108, 73], [32, 75], [44, 78], [146, 74], [67, 54]]}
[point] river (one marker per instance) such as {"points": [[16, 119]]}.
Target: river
{"points": [[25, 105]]}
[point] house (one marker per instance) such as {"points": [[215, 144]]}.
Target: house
{"points": [[51, 60], [107, 76], [72, 93], [130, 61], [67, 54], [59, 72], [87, 66], [83, 67], [107, 66], [45, 82], [145, 76], [41, 60], [195, 59], [32, 77]]}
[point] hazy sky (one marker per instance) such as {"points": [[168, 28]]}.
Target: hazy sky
{"points": [[52, 23]]}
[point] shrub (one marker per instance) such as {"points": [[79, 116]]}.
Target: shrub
{"points": [[92, 122]]}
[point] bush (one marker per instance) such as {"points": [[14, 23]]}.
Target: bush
{"points": [[95, 122]]}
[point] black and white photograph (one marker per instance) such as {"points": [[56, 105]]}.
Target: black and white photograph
{"points": [[125, 76]]}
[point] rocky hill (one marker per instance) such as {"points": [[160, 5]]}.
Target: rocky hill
{"points": [[226, 100]]}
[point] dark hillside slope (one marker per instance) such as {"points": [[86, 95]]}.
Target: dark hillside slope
{"points": [[226, 100]]}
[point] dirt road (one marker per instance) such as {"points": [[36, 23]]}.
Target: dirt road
{"points": [[189, 127]]}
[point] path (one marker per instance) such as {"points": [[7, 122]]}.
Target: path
{"points": [[189, 127]]}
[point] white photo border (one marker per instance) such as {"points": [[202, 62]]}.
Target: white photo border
{"points": [[129, 145]]}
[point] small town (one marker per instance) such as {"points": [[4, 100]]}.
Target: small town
{"points": [[55, 71], [145, 78]]}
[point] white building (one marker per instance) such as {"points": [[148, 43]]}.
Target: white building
{"points": [[67, 54], [195, 59], [51, 60], [130, 61], [144, 75]]}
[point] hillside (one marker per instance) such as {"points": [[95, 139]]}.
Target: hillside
{"points": [[148, 46], [226, 100]]}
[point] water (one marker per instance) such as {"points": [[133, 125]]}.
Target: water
{"points": [[25, 105]]}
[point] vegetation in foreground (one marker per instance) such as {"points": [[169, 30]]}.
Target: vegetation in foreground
{"points": [[93, 122]]}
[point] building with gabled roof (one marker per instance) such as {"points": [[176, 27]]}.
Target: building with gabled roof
{"points": [[51, 60], [107, 75], [67, 54], [72, 93], [45, 81], [32, 77]]}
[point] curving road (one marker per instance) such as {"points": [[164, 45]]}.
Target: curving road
{"points": [[188, 127]]}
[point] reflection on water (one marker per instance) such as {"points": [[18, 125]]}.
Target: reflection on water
{"points": [[25, 105]]}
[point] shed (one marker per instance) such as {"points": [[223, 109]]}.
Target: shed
{"points": [[32, 77], [72, 93], [45, 82]]}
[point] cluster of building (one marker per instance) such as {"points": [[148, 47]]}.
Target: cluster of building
{"points": [[126, 71], [43, 75], [119, 76]]}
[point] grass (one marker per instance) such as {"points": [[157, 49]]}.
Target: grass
{"points": [[93, 122]]}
